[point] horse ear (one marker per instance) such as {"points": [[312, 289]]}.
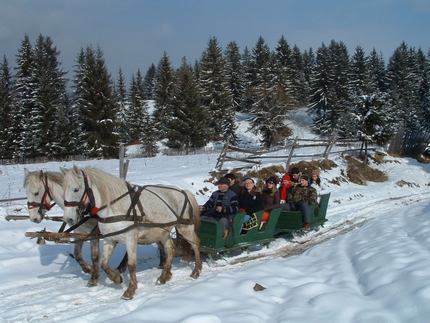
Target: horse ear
{"points": [[63, 169], [41, 174], [26, 172], [76, 169]]}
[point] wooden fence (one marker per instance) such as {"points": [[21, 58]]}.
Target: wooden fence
{"points": [[255, 157]]}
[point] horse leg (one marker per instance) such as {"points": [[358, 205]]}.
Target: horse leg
{"points": [[191, 237], [114, 275], [184, 246], [77, 254], [162, 253], [123, 264], [166, 274], [95, 256], [132, 264]]}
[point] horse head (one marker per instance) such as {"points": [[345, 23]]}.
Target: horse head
{"points": [[77, 194], [38, 194]]}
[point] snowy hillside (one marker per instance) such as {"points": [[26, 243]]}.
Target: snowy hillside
{"points": [[369, 263]]}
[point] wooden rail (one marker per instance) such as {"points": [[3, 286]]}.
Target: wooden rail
{"points": [[256, 157]]}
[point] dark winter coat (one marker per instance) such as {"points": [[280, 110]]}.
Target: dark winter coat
{"points": [[270, 202], [251, 203]]}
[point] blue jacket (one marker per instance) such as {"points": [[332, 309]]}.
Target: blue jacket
{"points": [[229, 203]]}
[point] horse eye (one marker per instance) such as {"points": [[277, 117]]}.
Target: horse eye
{"points": [[76, 190], [37, 193]]}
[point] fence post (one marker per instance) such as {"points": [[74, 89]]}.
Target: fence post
{"points": [[220, 160], [291, 153], [330, 145], [123, 167]]}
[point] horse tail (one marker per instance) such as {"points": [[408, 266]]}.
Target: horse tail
{"points": [[195, 210]]}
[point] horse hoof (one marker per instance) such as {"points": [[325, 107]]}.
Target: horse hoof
{"points": [[91, 284], [160, 281], [195, 275], [118, 280], [126, 296]]}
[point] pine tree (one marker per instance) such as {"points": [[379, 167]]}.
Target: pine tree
{"points": [[50, 89], [24, 123], [149, 83], [368, 117], [95, 104], [329, 90], [377, 71], [423, 69], [308, 60], [283, 74], [404, 85], [187, 128], [149, 135], [6, 108], [120, 97], [299, 84], [248, 96], [66, 130], [216, 94], [164, 84], [234, 73], [135, 113], [270, 102]]}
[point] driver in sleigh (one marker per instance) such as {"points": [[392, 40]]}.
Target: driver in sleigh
{"points": [[222, 206]]}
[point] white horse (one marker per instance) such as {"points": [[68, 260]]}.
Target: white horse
{"points": [[132, 215], [42, 188]]}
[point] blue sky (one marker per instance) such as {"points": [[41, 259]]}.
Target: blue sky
{"points": [[135, 33]]}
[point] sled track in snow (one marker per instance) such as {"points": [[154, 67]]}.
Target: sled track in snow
{"points": [[76, 302]]}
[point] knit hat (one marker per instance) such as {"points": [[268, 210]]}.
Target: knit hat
{"points": [[286, 177], [272, 179], [316, 172], [245, 177], [223, 180]]}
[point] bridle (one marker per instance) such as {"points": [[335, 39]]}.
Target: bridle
{"points": [[88, 194], [45, 203]]}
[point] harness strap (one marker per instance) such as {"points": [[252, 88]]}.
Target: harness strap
{"points": [[81, 221], [130, 227], [63, 225], [135, 200], [186, 202]]}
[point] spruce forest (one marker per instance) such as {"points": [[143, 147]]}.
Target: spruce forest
{"points": [[355, 96]]}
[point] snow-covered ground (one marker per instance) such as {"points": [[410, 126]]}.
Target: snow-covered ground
{"points": [[370, 262]]}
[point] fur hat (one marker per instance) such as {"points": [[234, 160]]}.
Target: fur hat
{"points": [[316, 172], [286, 177]]}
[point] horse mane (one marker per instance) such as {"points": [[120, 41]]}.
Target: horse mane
{"points": [[109, 186], [55, 177]]}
